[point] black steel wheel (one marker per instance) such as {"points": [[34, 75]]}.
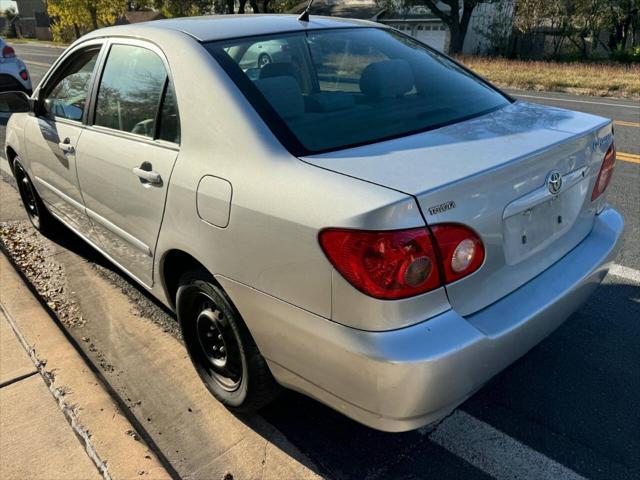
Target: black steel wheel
{"points": [[263, 59], [38, 214], [220, 346]]}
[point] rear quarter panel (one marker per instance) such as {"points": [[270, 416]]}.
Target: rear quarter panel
{"points": [[279, 203]]}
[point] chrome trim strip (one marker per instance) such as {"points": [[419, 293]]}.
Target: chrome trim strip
{"points": [[143, 247], [542, 194], [63, 196]]}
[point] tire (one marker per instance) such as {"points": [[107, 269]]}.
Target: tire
{"points": [[220, 346], [264, 59], [37, 212]]}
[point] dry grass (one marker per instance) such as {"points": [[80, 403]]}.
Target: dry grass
{"points": [[598, 79]]}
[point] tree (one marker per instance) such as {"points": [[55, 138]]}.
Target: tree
{"points": [[73, 18], [187, 8], [624, 15], [581, 22], [456, 17], [10, 29]]}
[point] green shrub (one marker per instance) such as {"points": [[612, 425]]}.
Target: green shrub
{"points": [[629, 55]]}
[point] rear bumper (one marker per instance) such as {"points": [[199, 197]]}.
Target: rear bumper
{"points": [[402, 379]]}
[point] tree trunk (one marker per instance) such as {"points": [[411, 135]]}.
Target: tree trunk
{"points": [[241, 5], [265, 6], [230, 6], [456, 39], [459, 26], [254, 6], [93, 13]]}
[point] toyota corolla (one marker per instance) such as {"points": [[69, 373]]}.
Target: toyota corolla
{"points": [[363, 220]]}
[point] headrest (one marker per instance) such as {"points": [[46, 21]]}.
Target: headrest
{"points": [[386, 79], [284, 95]]}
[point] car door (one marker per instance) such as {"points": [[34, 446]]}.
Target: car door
{"points": [[51, 137], [128, 152]]}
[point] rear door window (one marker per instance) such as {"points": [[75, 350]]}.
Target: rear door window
{"points": [[130, 90]]}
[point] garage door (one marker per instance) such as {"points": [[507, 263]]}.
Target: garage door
{"points": [[433, 38]]}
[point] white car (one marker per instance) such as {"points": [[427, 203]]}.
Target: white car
{"points": [[13, 72]]}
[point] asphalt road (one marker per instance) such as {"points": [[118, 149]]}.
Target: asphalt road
{"points": [[568, 409]]}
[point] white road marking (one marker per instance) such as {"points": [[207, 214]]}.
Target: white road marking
{"points": [[31, 63], [625, 272], [622, 105], [494, 452]]}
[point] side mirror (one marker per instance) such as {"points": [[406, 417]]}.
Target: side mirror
{"points": [[15, 102]]}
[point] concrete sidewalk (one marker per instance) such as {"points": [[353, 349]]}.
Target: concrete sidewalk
{"points": [[36, 441], [56, 419]]}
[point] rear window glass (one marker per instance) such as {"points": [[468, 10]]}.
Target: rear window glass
{"points": [[325, 90]]}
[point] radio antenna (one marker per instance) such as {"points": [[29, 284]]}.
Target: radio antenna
{"points": [[304, 16]]}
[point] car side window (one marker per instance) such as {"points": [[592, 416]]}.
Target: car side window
{"points": [[130, 89], [67, 98], [169, 128]]}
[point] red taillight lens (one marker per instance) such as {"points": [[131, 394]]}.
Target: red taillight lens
{"points": [[24, 75], [387, 265], [606, 172], [8, 52], [402, 263], [461, 250]]}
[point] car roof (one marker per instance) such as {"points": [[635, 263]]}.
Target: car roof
{"points": [[220, 27]]}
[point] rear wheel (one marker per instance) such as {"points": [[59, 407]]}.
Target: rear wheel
{"points": [[220, 346], [38, 214]]}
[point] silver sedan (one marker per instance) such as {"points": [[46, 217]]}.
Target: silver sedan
{"points": [[362, 220]]}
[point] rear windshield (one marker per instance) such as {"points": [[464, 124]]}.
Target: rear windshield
{"points": [[323, 90]]}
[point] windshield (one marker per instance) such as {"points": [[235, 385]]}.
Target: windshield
{"points": [[324, 90]]}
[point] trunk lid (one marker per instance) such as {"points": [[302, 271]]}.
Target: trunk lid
{"points": [[491, 173]]}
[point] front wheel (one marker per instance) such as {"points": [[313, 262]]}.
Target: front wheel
{"points": [[38, 214], [220, 346]]}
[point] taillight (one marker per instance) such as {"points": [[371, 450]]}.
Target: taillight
{"points": [[606, 172], [387, 265], [8, 52], [24, 75], [461, 250], [402, 263]]}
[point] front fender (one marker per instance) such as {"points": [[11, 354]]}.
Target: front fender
{"points": [[14, 137]]}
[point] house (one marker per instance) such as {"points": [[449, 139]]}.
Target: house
{"points": [[34, 20]]}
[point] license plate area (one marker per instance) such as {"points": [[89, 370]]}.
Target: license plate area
{"points": [[533, 229]]}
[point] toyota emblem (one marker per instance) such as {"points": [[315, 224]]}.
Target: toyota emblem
{"points": [[554, 182]]}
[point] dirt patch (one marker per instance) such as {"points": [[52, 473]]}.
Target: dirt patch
{"points": [[144, 305], [35, 256]]}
